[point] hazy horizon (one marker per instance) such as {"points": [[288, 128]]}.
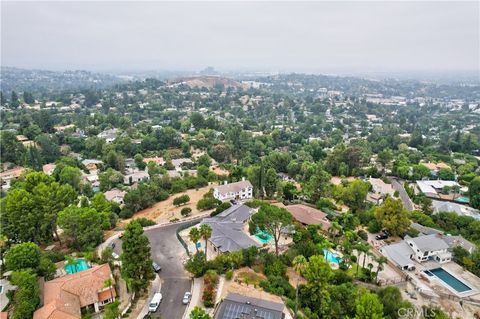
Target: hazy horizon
{"points": [[308, 37]]}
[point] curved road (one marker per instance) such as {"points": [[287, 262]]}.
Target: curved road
{"points": [[170, 255]]}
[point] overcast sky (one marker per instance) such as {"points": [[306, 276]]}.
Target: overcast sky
{"points": [[283, 36]]}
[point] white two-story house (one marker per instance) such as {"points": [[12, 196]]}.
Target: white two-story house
{"points": [[429, 247], [237, 190]]}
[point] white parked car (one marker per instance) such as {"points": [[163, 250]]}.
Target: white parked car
{"points": [[115, 255], [155, 302], [186, 298]]}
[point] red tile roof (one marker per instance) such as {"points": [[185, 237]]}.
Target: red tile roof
{"points": [[309, 215]]}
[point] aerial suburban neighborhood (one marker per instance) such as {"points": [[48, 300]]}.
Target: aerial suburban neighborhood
{"points": [[305, 177]]}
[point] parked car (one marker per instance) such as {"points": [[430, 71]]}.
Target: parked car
{"points": [[115, 255], [121, 235], [156, 267], [155, 302], [186, 298], [384, 235], [112, 245]]}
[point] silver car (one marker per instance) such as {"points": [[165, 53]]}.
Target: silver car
{"points": [[186, 298]]}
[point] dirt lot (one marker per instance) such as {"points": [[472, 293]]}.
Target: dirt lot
{"points": [[238, 285], [165, 210]]}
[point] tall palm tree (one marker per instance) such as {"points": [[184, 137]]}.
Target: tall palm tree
{"points": [[335, 230], [205, 233], [366, 253], [299, 263], [381, 261], [108, 283], [194, 236]]}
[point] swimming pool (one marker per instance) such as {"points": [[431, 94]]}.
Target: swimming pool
{"points": [[331, 257], [448, 279], [263, 236], [80, 265], [463, 200]]}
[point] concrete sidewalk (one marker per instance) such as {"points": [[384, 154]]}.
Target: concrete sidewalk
{"points": [[197, 289], [156, 286]]}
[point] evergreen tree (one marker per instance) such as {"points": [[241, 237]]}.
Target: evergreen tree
{"points": [[14, 103], [136, 260], [369, 307]]}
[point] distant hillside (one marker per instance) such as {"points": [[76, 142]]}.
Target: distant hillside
{"points": [[208, 82], [38, 81]]}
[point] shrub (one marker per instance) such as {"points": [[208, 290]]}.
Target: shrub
{"points": [[144, 222], [229, 275], [55, 256], [186, 211], [180, 200], [278, 285], [209, 291], [222, 207], [207, 203], [125, 213], [374, 226], [255, 203], [362, 234]]}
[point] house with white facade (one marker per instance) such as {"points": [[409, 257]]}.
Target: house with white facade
{"points": [[237, 190], [410, 251], [429, 247], [136, 177]]}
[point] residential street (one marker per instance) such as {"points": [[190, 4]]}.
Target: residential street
{"points": [[407, 202], [170, 255]]}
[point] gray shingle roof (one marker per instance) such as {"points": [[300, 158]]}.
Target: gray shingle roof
{"points": [[227, 229], [236, 306], [399, 253], [430, 242]]}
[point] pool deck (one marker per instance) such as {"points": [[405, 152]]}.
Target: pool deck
{"points": [[457, 271]]}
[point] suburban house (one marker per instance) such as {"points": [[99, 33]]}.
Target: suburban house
{"points": [[7, 176], [115, 195], [435, 167], [452, 241], [108, 135], [429, 247], [238, 190], [307, 215], [177, 163], [91, 164], [380, 190], [66, 297], [49, 168], [157, 160], [410, 251], [459, 209], [245, 307], [25, 141], [136, 177], [434, 188], [229, 229]]}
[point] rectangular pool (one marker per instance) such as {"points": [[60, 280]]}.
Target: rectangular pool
{"points": [[448, 279]]}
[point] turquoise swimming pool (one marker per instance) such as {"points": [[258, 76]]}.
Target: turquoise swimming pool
{"points": [[448, 279], [331, 257], [263, 236], [463, 200], [80, 265]]}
